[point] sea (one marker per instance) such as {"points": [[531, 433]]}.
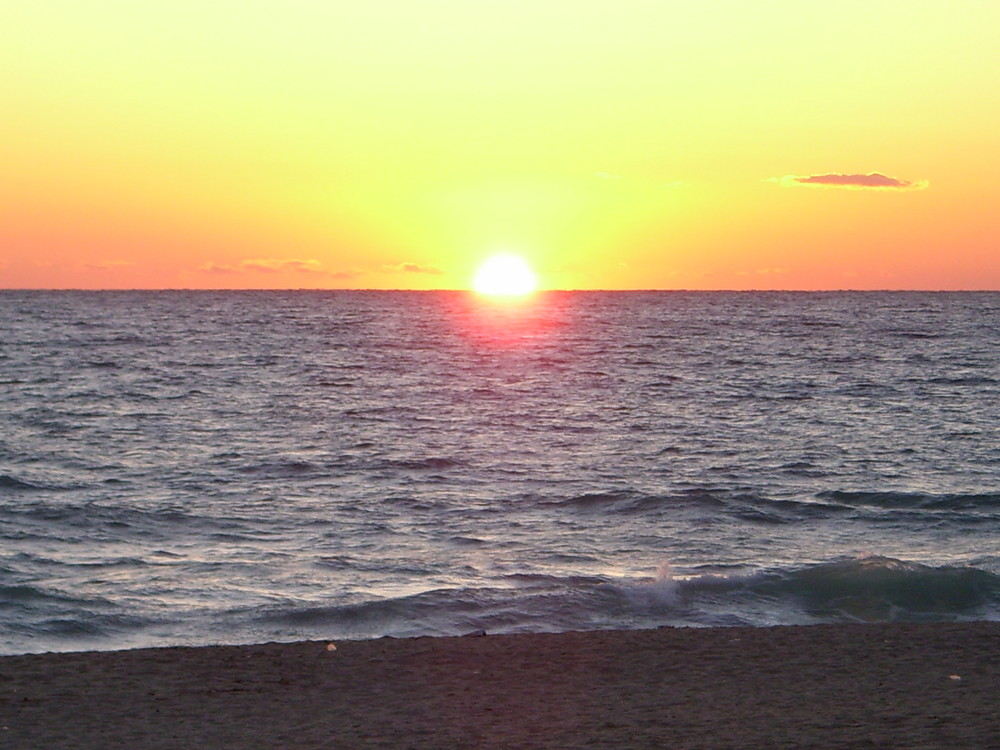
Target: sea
{"points": [[208, 467]]}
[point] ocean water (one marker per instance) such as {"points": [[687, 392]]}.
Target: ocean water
{"points": [[231, 467]]}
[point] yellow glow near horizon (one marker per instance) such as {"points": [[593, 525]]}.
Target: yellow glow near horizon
{"points": [[505, 275]]}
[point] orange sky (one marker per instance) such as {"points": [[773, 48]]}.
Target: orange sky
{"points": [[636, 144]]}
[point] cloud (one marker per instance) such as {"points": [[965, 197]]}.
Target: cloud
{"points": [[108, 265], [216, 268], [777, 271], [279, 265], [276, 265], [352, 274], [413, 268], [870, 181]]}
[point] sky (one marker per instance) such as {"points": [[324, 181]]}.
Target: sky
{"points": [[397, 144]]}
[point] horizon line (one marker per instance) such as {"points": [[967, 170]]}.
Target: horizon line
{"points": [[769, 290]]}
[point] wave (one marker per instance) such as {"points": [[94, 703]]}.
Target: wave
{"points": [[86, 522], [281, 469], [964, 380], [338, 465], [632, 501], [23, 593], [549, 604], [865, 589], [421, 464], [871, 589], [621, 500], [914, 500], [745, 505], [55, 619], [23, 484], [8, 482], [753, 507]]}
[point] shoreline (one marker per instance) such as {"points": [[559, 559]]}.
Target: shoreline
{"points": [[932, 685]]}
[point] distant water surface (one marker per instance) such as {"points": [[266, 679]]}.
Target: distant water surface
{"points": [[228, 467]]}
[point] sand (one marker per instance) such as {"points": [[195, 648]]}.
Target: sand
{"points": [[863, 686]]}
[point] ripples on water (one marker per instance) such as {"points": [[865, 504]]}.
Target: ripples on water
{"points": [[236, 466]]}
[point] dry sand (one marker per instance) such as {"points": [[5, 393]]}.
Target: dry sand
{"points": [[864, 686]]}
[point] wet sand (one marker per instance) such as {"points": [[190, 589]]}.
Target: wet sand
{"points": [[837, 686]]}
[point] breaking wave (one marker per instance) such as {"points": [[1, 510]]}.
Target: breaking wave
{"points": [[871, 589]]}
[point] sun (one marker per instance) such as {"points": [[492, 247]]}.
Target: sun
{"points": [[505, 275]]}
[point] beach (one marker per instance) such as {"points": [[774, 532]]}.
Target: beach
{"points": [[831, 686]]}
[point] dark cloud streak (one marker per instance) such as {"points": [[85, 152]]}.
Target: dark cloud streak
{"points": [[277, 265], [413, 268]]}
